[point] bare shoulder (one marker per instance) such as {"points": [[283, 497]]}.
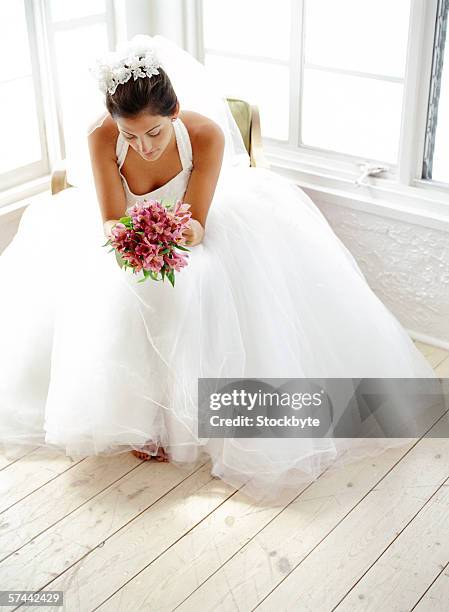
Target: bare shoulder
{"points": [[203, 132], [104, 139]]}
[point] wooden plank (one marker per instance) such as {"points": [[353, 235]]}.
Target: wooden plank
{"points": [[324, 575], [11, 455], [63, 551], [50, 503], [20, 478], [409, 565], [321, 520], [436, 598], [246, 542], [165, 582]]}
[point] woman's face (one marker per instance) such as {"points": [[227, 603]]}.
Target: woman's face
{"points": [[147, 134]]}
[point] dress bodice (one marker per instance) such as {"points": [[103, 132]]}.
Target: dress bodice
{"points": [[176, 187]]}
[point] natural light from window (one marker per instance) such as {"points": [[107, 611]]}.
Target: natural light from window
{"points": [[355, 54], [73, 70], [260, 73], [62, 11], [20, 128]]}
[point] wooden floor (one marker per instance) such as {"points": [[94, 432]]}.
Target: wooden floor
{"points": [[120, 534]]}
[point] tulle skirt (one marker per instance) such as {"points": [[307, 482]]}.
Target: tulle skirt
{"points": [[94, 363]]}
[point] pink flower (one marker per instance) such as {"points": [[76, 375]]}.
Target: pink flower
{"points": [[147, 239], [175, 260]]}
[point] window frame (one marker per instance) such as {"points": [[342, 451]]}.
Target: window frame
{"points": [[21, 183], [48, 48], [400, 191]]}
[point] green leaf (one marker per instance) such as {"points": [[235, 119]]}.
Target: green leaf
{"points": [[169, 204], [171, 277], [178, 246], [121, 262]]}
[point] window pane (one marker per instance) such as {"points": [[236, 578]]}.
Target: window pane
{"points": [[73, 69], [61, 9], [252, 27], [354, 35], [353, 115], [265, 85], [14, 46], [20, 131]]}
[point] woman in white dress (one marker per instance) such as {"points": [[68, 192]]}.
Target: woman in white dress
{"points": [[93, 362]]}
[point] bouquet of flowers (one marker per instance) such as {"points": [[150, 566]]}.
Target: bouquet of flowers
{"points": [[146, 239]]}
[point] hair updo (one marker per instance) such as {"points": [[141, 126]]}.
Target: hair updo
{"points": [[154, 95]]}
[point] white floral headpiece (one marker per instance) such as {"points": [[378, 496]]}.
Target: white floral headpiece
{"points": [[137, 58]]}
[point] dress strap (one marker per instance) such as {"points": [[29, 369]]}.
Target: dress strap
{"points": [[184, 144], [121, 148]]}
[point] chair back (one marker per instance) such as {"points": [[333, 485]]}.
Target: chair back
{"points": [[242, 113]]}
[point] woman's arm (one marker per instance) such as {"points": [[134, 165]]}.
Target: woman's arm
{"points": [[208, 143], [108, 185]]}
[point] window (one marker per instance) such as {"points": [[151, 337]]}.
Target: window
{"points": [[351, 86], [261, 51], [46, 46], [80, 25], [25, 153], [339, 83], [353, 72]]}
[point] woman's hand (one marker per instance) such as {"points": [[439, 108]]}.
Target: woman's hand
{"points": [[107, 226], [194, 233]]}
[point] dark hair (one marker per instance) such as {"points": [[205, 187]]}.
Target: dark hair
{"points": [[154, 95]]}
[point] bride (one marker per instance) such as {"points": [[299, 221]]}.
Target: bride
{"points": [[92, 362]]}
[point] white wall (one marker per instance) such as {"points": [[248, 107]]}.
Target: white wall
{"points": [[406, 265]]}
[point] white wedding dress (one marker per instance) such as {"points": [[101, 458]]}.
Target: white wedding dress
{"points": [[93, 362]]}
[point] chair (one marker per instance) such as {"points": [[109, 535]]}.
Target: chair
{"points": [[248, 120]]}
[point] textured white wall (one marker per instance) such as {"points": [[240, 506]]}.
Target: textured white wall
{"points": [[406, 265]]}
